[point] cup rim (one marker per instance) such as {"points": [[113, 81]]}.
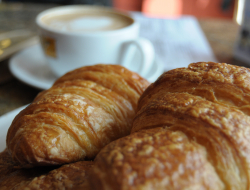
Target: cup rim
{"points": [[43, 26]]}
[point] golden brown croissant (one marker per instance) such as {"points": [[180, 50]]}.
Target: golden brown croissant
{"points": [[73, 176], [70, 176], [83, 111], [156, 158], [217, 82], [191, 131], [12, 177]]}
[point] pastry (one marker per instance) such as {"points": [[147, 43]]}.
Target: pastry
{"points": [[74, 176], [157, 158], [191, 131], [70, 176], [82, 112], [217, 82], [12, 177]]}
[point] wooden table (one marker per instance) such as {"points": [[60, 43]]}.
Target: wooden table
{"points": [[221, 35]]}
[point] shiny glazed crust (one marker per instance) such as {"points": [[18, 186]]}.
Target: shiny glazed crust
{"points": [[83, 111], [191, 131]]}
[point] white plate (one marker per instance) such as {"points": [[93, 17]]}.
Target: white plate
{"points": [[30, 67], [5, 121]]}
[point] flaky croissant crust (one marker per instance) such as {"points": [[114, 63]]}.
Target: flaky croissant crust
{"points": [[156, 158], [83, 111], [192, 126], [191, 131], [217, 82], [69, 176]]}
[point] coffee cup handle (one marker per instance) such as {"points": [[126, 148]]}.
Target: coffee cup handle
{"points": [[146, 50]]}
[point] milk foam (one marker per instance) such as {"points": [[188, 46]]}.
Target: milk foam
{"points": [[86, 23], [90, 23], [83, 24]]}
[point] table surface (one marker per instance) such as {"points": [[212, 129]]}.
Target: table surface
{"points": [[221, 35]]}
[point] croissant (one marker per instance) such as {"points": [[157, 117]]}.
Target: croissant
{"points": [[70, 176], [191, 131], [82, 112]]}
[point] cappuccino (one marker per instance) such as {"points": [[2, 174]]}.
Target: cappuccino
{"points": [[86, 21], [79, 35]]}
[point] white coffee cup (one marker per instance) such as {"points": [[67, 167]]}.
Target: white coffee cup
{"points": [[79, 35]]}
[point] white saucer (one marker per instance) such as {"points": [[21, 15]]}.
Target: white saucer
{"points": [[30, 66]]}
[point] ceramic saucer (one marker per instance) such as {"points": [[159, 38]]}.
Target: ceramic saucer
{"points": [[30, 67]]}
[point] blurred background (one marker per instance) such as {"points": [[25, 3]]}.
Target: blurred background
{"points": [[227, 9]]}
